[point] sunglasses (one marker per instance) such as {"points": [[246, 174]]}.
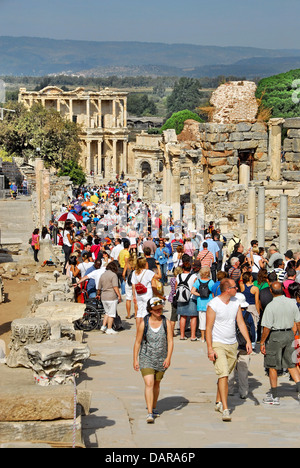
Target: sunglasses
{"points": [[157, 303], [232, 287]]}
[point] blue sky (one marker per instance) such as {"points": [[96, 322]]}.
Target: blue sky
{"points": [[259, 23]]}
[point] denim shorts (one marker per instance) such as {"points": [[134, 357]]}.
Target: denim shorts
{"points": [[188, 310]]}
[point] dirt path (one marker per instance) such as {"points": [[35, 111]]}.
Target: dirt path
{"points": [[18, 294]]}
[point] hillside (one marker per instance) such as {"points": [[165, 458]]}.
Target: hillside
{"points": [[38, 57]]}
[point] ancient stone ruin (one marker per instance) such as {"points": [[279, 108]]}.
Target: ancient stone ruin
{"points": [[38, 394]]}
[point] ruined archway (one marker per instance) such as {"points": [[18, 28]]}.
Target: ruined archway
{"points": [[145, 169]]}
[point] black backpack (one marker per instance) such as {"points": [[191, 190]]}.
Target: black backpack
{"points": [[146, 322], [240, 339], [204, 290]]}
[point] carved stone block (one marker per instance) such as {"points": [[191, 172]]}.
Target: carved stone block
{"points": [[26, 331]]}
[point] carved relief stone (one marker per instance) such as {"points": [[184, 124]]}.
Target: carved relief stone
{"points": [[24, 332]]}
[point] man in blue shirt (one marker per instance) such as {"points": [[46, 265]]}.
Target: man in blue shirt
{"points": [[162, 255]]}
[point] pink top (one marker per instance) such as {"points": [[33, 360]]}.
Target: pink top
{"points": [[35, 239]]}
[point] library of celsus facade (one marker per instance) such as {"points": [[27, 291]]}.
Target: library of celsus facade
{"points": [[103, 117]]}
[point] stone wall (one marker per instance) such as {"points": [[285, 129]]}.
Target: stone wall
{"points": [[291, 147], [235, 102], [222, 146]]}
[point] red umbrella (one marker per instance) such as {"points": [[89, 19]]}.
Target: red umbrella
{"points": [[72, 216]]}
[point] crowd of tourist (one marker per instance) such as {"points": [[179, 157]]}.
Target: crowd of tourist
{"points": [[118, 248]]}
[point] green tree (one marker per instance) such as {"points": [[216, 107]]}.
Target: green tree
{"points": [[140, 105], [72, 169], [177, 120], [281, 93], [39, 132], [185, 95]]}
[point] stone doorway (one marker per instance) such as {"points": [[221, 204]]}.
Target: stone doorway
{"points": [[145, 169]]}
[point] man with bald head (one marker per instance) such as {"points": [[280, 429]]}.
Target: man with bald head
{"points": [[281, 319]]}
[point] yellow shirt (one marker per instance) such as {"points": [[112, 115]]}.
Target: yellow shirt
{"points": [[122, 256], [94, 199]]}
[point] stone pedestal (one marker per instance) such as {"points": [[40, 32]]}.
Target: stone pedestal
{"points": [[24, 332]]}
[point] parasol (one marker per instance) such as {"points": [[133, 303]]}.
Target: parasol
{"points": [[72, 216]]}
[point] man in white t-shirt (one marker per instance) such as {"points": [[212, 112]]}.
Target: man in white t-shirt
{"points": [[115, 252], [95, 275], [223, 312]]}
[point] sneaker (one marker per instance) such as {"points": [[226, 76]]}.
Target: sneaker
{"points": [[226, 416], [110, 331], [269, 400], [155, 414], [103, 328], [150, 419], [219, 407]]}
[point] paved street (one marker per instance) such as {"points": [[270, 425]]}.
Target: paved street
{"points": [[186, 402]]}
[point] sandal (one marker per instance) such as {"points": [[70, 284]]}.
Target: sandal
{"points": [[194, 339], [183, 339]]}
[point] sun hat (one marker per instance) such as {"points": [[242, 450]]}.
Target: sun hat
{"points": [[155, 301], [242, 300]]}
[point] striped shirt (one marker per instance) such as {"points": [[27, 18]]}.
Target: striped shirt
{"points": [[280, 274], [206, 258], [234, 274]]}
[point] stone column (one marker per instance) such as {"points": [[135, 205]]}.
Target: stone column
{"points": [[88, 112], [166, 183], [46, 198], [283, 227], [251, 214], [124, 158], [125, 113], [244, 175], [275, 130], [261, 217], [114, 114], [88, 158], [100, 113], [39, 168], [71, 110], [141, 188], [114, 157], [99, 157], [175, 190]]}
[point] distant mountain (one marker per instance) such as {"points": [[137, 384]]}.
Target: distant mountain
{"points": [[250, 68], [37, 57]]}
